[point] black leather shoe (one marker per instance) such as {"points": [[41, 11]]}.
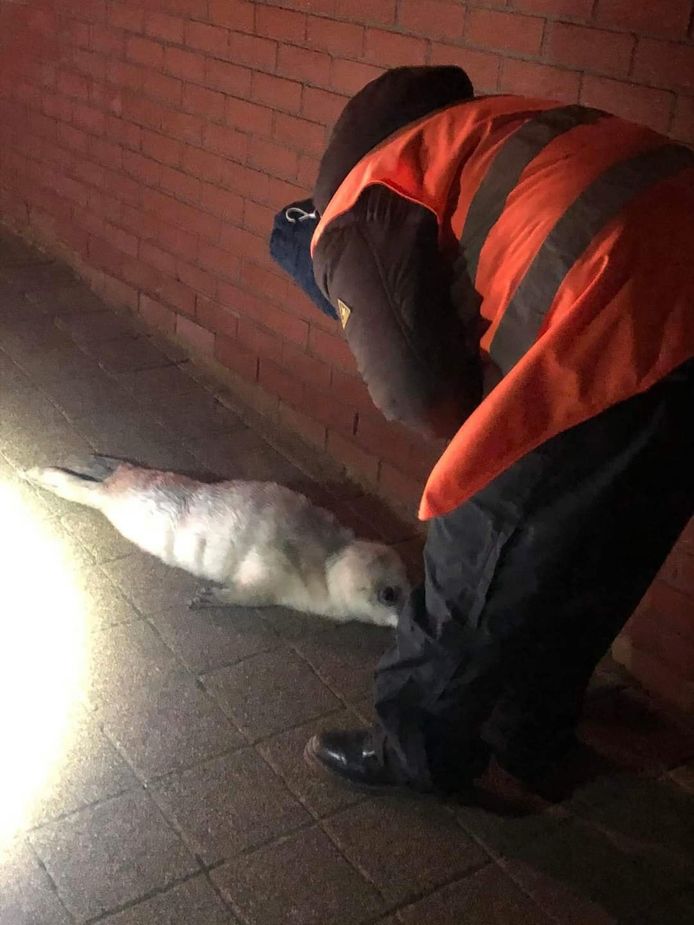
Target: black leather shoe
{"points": [[350, 755]]}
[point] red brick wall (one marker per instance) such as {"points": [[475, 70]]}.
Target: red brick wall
{"points": [[153, 140]]}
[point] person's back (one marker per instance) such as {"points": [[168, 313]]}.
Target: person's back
{"points": [[533, 216]]}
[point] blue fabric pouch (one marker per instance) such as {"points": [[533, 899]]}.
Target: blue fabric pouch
{"points": [[290, 247]]}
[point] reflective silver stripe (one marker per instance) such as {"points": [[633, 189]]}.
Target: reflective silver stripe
{"points": [[597, 205], [505, 170]]}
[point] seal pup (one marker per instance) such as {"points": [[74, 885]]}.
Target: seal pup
{"points": [[259, 544]]}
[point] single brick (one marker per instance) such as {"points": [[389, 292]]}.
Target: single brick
{"points": [[442, 19], [253, 51], [248, 117], [394, 48], [229, 78], [303, 64], [365, 11], [337, 38], [284, 25], [527, 78], [145, 51], [638, 104], [354, 459], [200, 100], [322, 105], [349, 77], [185, 64], [590, 49], [665, 64], [667, 17], [212, 39], [164, 27], [277, 92], [236, 14], [160, 87], [299, 133], [504, 31], [196, 336]]}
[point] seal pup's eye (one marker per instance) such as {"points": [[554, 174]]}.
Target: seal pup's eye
{"points": [[389, 595]]}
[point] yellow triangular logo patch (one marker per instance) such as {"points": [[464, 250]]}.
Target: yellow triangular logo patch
{"points": [[344, 311]]}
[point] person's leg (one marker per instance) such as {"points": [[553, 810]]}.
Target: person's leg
{"points": [[528, 583], [631, 509]]}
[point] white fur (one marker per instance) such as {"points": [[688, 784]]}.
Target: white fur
{"points": [[262, 543]]}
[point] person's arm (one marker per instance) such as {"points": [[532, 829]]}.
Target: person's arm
{"points": [[380, 266]]}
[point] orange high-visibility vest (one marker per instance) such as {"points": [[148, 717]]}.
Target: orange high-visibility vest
{"points": [[577, 230]]}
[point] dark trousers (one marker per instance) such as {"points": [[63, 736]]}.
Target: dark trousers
{"points": [[526, 586]]}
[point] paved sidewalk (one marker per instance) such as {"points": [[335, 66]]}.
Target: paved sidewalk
{"points": [[152, 768]]}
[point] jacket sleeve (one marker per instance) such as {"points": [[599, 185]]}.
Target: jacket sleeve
{"points": [[381, 267]]}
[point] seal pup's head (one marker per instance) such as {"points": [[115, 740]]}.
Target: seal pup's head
{"points": [[368, 582]]}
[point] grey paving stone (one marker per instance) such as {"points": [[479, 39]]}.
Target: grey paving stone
{"points": [[167, 722], [657, 817], [157, 386], [194, 415], [126, 353], [406, 846], [243, 454], [192, 902], [177, 353], [143, 441], [127, 431], [75, 558], [26, 334], [15, 252], [365, 709], [11, 376], [683, 776], [293, 625], [103, 604], [27, 411], [27, 896], [300, 879], [502, 833], [608, 677], [92, 327], [213, 637], [270, 692], [488, 896], [596, 790], [96, 534], [628, 729], [598, 865], [90, 397], [149, 584], [285, 753], [229, 804], [676, 910], [345, 656], [62, 300], [38, 276], [32, 503], [49, 444], [88, 770], [112, 853], [48, 364], [125, 657], [555, 897]]}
